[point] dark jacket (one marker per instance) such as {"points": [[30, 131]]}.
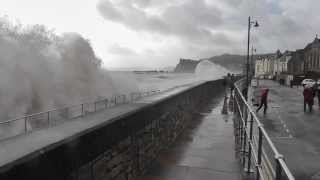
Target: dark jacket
{"points": [[264, 95], [308, 95]]}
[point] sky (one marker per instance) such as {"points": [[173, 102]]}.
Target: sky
{"points": [[156, 33]]}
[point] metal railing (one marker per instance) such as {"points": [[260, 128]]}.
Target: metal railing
{"points": [[257, 152], [29, 123]]}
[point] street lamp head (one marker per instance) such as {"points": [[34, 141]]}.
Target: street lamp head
{"points": [[256, 24]]}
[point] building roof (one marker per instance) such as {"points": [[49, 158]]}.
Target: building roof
{"points": [[297, 56], [270, 55], [314, 44], [282, 58]]}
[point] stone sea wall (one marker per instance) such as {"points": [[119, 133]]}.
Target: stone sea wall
{"points": [[123, 148]]}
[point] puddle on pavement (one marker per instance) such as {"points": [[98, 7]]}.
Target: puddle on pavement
{"points": [[274, 128]]}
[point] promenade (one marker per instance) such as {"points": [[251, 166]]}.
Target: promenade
{"points": [[42, 140], [205, 150], [295, 133]]}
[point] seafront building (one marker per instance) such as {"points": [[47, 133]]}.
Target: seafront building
{"points": [[283, 62], [267, 65], [290, 64], [311, 56], [296, 63]]}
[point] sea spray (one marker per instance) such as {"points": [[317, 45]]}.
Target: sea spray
{"points": [[40, 70], [207, 70]]}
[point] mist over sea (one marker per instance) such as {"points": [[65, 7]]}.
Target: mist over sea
{"points": [[40, 71], [145, 81]]}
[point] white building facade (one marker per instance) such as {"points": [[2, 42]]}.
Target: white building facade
{"points": [[264, 65]]}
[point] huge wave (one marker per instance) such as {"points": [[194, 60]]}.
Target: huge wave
{"points": [[207, 70], [40, 70]]}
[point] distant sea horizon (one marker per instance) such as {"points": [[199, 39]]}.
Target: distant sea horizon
{"points": [[169, 68]]}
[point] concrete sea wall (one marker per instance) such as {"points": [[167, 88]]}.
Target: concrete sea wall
{"points": [[123, 147]]}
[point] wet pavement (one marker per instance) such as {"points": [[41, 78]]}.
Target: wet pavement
{"points": [[205, 150], [19, 148], [295, 133]]}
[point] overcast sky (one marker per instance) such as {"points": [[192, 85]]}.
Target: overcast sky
{"points": [[156, 33]]}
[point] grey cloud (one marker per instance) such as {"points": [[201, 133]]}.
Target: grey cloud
{"points": [[283, 24], [191, 20], [120, 50], [129, 15], [109, 12], [222, 39], [143, 3], [233, 3], [208, 27], [150, 52], [153, 3]]}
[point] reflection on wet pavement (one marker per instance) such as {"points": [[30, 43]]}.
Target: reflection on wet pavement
{"points": [[204, 151], [294, 132]]}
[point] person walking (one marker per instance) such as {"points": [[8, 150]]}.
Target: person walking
{"points": [[318, 94], [308, 98], [264, 101], [232, 83]]}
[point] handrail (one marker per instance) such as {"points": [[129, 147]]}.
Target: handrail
{"points": [[251, 144], [259, 123], [54, 114], [286, 169]]}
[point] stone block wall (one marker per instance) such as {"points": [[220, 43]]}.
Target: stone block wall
{"points": [[123, 148]]}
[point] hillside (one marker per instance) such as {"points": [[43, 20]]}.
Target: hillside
{"points": [[186, 66], [229, 61], [232, 62]]}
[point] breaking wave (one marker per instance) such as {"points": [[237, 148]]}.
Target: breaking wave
{"points": [[207, 70], [40, 70]]}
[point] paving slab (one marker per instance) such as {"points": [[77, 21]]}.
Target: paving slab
{"points": [[20, 148], [205, 150], [295, 133]]}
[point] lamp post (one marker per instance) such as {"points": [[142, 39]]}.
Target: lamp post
{"points": [[251, 67], [248, 48]]}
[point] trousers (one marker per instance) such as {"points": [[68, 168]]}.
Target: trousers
{"points": [[264, 104]]}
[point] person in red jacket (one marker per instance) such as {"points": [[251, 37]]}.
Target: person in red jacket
{"points": [[308, 98], [264, 101]]}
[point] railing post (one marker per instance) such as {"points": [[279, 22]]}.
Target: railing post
{"points": [[115, 99], [91, 171], [67, 113], [106, 103], [259, 152], [48, 118], [278, 168], [240, 135], [238, 130], [233, 102], [243, 110], [25, 125], [250, 143], [82, 110], [245, 137]]}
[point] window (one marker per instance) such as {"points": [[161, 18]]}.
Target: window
{"points": [[315, 60], [309, 62], [318, 58]]}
